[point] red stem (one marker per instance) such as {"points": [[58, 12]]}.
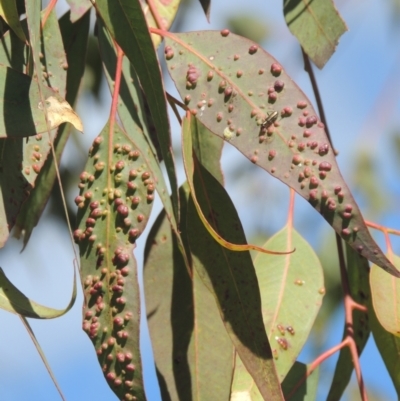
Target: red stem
{"points": [[382, 228], [117, 84], [323, 357], [49, 9], [155, 14]]}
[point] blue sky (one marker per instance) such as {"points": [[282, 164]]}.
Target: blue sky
{"points": [[350, 85]]}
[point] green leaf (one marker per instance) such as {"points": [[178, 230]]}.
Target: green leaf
{"points": [[307, 391], [54, 109], [317, 25], [292, 287], [8, 10], [78, 9], [385, 291], [170, 314], [184, 323], [11, 44], [243, 95], [14, 301], [33, 19], [189, 164], [74, 42], [208, 149], [160, 14], [243, 386], [358, 277], [14, 189], [53, 59], [22, 111], [116, 198], [127, 24], [211, 371], [230, 276], [388, 346], [131, 111]]}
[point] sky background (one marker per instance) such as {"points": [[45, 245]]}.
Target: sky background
{"points": [[360, 89]]}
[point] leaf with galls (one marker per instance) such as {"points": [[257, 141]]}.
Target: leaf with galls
{"points": [[115, 201], [294, 148]]}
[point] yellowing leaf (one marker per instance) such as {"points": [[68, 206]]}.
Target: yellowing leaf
{"points": [[14, 301], [59, 111], [385, 291]]}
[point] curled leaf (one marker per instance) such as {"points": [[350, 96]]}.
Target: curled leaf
{"points": [[188, 162], [59, 111], [14, 301]]}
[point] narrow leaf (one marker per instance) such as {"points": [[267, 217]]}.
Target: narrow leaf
{"points": [[78, 9], [131, 111], [388, 346], [242, 94], [317, 25], [385, 291], [33, 19], [53, 58], [358, 276], [32, 155], [11, 44], [230, 276], [14, 301], [9, 12], [21, 103], [184, 323], [114, 204], [212, 372], [170, 314], [74, 42], [55, 109], [208, 148], [14, 189], [127, 24]]}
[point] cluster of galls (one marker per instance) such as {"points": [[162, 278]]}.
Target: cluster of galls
{"points": [[117, 365], [282, 341], [120, 206], [273, 92], [283, 330], [36, 159], [96, 286]]}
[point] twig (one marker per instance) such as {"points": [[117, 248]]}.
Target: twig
{"points": [[309, 70], [173, 102]]}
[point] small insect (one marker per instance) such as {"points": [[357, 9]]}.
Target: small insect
{"points": [[272, 116]]}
